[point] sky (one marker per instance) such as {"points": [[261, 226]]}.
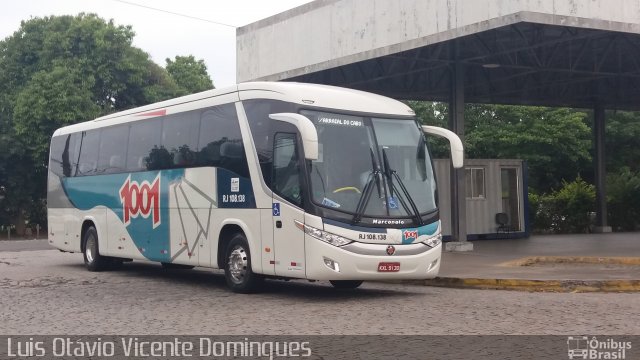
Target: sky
{"points": [[160, 33]]}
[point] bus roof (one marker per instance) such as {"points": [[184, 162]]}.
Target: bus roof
{"points": [[323, 96]]}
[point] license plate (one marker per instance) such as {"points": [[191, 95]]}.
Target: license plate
{"points": [[389, 267]]}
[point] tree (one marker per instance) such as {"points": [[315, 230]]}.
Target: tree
{"points": [[621, 141], [555, 142], [56, 71], [20, 184], [623, 198], [190, 74], [434, 114], [52, 99]]}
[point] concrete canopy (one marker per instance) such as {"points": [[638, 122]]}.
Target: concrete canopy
{"points": [[546, 52], [576, 53]]}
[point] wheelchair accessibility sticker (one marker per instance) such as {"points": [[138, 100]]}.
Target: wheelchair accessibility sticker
{"points": [[276, 209]]}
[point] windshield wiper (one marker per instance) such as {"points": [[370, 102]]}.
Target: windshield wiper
{"points": [[374, 176], [391, 174], [376, 171]]}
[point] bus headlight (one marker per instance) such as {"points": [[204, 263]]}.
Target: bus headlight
{"points": [[434, 240], [329, 238]]}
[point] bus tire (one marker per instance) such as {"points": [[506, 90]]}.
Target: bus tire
{"points": [[92, 258], [346, 284], [237, 267]]}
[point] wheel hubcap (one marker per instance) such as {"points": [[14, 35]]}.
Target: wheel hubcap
{"points": [[89, 249], [238, 264]]}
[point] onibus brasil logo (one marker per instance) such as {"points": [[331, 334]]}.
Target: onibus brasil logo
{"points": [[140, 199], [581, 347]]}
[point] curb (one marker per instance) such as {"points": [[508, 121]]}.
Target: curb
{"points": [[592, 260], [567, 286]]}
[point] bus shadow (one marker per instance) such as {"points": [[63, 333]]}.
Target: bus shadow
{"points": [[203, 278], [302, 289], [155, 272]]}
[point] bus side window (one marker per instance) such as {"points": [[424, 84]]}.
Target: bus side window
{"points": [[88, 160], [179, 138], [220, 142], [113, 149], [144, 137], [286, 169], [63, 155], [263, 128]]}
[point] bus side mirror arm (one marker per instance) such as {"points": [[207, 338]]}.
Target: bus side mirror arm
{"points": [[457, 150], [307, 131]]}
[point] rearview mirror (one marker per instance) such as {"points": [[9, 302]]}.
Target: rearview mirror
{"points": [[457, 150], [307, 132]]}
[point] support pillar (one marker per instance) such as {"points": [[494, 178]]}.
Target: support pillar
{"points": [[600, 170], [458, 191]]}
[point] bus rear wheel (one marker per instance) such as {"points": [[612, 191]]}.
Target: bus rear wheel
{"points": [[92, 258], [346, 284], [237, 268]]}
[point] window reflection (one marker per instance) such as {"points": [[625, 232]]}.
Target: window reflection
{"points": [[196, 138]]}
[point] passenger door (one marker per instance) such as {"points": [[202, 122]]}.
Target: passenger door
{"points": [[288, 239]]}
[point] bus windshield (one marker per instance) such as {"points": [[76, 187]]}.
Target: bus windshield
{"points": [[356, 152]]}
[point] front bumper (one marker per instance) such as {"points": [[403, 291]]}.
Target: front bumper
{"points": [[360, 262]]}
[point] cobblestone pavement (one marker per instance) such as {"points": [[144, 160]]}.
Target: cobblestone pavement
{"points": [[48, 292]]}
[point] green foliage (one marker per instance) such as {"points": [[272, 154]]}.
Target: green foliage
{"points": [[567, 210], [541, 213], [430, 113], [557, 145], [555, 142], [60, 70], [623, 198], [52, 99], [434, 114], [621, 141], [20, 182], [190, 74], [576, 201]]}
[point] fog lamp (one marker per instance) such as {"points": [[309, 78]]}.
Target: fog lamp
{"points": [[331, 264], [432, 265]]}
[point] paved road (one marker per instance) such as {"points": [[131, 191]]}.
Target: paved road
{"points": [[24, 245], [48, 292], [494, 259]]}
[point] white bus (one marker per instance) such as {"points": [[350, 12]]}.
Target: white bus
{"points": [[263, 180]]}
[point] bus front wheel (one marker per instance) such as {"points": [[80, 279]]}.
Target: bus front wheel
{"points": [[92, 258], [346, 284], [237, 267]]}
